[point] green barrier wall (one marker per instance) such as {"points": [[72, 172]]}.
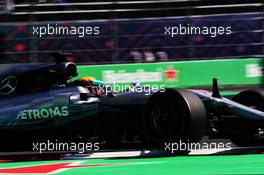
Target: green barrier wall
{"points": [[230, 72]]}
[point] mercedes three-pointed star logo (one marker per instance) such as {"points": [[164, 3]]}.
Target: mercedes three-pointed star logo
{"points": [[8, 85]]}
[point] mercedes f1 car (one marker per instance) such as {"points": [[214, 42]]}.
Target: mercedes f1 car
{"points": [[40, 101]]}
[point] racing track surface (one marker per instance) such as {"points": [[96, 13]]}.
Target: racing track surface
{"points": [[145, 163]]}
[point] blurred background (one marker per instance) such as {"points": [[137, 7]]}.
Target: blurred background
{"points": [[132, 31]]}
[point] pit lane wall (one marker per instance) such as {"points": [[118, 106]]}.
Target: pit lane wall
{"points": [[183, 74]]}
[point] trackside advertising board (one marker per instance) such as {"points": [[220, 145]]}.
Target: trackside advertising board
{"points": [[229, 72]]}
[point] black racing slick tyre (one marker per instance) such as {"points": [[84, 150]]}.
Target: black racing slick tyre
{"points": [[254, 99], [174, 115]]}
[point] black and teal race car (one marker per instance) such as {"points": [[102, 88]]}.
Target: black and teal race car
{"points": [[38, 102]]}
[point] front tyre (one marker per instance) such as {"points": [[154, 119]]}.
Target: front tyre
{"points": [[172, 116]]}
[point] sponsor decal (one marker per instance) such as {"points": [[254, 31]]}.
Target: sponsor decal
{"points": [[139, 75], [8, 85], [45, 113], [170, 73], [121, 76], [253, 70]]}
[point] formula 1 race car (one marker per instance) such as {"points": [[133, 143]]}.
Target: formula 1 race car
{"points": [[39, 102]]}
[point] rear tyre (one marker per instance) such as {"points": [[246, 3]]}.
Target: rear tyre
{"points": [[172, 116], [247, 133]]}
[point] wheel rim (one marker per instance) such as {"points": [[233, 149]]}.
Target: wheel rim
{"points": [[165, 119]]}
